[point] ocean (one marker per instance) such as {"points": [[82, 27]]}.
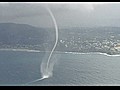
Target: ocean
{"points": [[20, 67]]}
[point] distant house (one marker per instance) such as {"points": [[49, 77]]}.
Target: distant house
{"points": [[117, 47]]}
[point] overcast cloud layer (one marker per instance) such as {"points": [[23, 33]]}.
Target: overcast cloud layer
{"points": [[67, 15]]}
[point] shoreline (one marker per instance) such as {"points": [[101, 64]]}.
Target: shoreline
{"points": [[37, 51], [105, 54]]}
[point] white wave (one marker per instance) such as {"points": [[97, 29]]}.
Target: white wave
{"points": [[45, 77], [109, 55], [21, 50], [28, 50], [94, 53]]}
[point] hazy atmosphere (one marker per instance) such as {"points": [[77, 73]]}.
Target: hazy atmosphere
{"points": [[59, 44], [67, 15]]}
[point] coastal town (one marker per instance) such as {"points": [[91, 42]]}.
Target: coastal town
{"points": [[72, 39]]}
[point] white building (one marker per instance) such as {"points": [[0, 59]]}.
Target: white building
{"points": [[117, 47]]}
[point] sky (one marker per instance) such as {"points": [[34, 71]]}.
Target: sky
{"points": [[66, 14]]}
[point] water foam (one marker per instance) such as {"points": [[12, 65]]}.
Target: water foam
{"points": [[94, 53], [21, 50]]}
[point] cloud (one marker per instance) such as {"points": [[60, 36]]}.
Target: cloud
{"points": [[36, 14], [66, 14], [15, 10], [72, 7]]}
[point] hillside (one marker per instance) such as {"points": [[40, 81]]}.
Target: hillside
{"points": [[76, 39]]}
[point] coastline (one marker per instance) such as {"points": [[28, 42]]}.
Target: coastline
{"points": [[38, 51]]}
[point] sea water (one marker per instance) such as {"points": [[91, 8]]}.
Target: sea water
{"points": [[20, 67]]}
